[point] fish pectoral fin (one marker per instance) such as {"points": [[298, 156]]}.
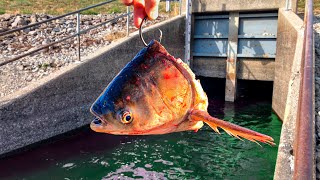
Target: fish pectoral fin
{"points": [[230, 128]]}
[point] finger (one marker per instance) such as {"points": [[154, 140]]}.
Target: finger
{"points": [[152, 7], [138, 12], [127, 2]]}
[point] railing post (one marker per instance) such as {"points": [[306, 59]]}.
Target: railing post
{"points": [[188, 32], [78, 36], [128, 19], [167, 5], [287, 5], [180, 7]]}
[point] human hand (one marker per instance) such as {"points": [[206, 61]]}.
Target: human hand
{"points": [[143, 8]]}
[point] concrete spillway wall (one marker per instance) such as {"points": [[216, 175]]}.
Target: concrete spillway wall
{"points": [[287, 86], [61, 102]]}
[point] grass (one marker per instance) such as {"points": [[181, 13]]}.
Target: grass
{"points": [[316, 6], [58, 7]]}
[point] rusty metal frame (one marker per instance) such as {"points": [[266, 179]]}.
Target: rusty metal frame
{"points": [[304, 167]]}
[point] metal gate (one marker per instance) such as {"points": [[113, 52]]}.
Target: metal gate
{"points": [[257, 33], [235, 45]]}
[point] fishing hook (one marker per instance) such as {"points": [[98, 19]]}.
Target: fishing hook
{"points": [[140, 32]]}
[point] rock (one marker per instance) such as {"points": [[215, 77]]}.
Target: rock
{"points": [[3, 29], [26, 30], [29, 78], [33, 33], [35, 69], [69, 30], [46, 41], [87, 23], [20, 67], [56, 29], [5, 17], [33, 19], [4, 24], [18, 21]]}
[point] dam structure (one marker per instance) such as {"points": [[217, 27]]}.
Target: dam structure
{"points": [[229, 39]]}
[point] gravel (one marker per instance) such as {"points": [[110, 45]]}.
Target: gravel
{"points": [[19, 74]]}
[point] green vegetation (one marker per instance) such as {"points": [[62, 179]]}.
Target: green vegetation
{"points": [[58, 7], [2, 11], [316, 6]]}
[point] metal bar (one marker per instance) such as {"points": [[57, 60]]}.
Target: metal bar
{"points": [[36, 50], [128, 19], [209, 55], [287, 5], [59, 41], [188, 32], [210, 37], [258, 15], [212, 17], [257, 55], [257, 37], [78, 36], [304, 141], [93, 27], [54, 18], [180, 7]]}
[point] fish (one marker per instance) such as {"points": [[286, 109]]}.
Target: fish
{"points": [[156, 93]]}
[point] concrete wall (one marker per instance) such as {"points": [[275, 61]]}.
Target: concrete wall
{"points": [[209, 67], [61, 102], [288, 45], [239, 5], [247, 69], [255, 69], [286, 87]]}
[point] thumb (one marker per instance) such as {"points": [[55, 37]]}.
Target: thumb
{"points": [[152, 7], [138, 12], [127, 2]]}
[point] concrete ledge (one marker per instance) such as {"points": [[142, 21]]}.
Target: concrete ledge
{"points": [[247, 69], [61, 102], [286, 87]]}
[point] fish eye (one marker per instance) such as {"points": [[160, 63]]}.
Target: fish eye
{"points": [[126, 117]]}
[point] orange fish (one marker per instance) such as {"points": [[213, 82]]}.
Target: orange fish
{"points": [[158, 94]]}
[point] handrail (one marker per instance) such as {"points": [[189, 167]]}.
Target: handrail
{"points": [[54, 18], [65, 38], [304, 142], [59, 41]]}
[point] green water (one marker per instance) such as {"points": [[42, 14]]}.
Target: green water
{"points": [[185, 155]]}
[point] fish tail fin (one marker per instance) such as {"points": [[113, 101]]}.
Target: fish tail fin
{"points": [[232, 129]]}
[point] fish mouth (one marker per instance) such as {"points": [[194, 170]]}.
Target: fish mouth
{"points": [[98, 125], [97, 121]]}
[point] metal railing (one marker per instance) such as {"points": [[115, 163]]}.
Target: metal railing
{"points": [[78, 31], [304, 167]]}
